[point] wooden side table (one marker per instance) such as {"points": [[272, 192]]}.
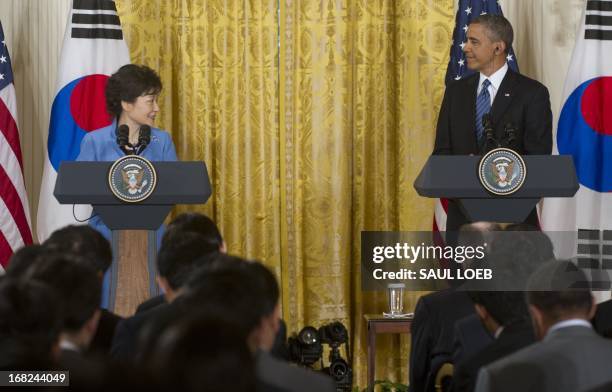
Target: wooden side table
{"points": [[376, 324]]}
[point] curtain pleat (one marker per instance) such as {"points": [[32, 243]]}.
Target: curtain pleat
{"points": [[314, 118]]}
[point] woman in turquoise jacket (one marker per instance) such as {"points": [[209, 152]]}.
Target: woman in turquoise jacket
{"points": [[131, 99]]}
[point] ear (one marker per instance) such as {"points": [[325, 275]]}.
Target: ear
{"points": [[500, 48], [223, 247], [538, 321], [92, 324], [127, 106], [481, 311], [593, 308], [276, 319], [163, 284]]}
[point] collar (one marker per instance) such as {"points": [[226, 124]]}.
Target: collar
{"points": [[576, 322], [498, 332], [112, 128], [68, 345], [496, 78]]}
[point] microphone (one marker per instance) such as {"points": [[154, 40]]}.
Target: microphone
{"points": [[123, 139], [510, 134], [144, 137], [489, 133], [122, 133]]}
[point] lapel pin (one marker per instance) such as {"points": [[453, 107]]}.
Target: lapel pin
{"points": [[507, 94]]}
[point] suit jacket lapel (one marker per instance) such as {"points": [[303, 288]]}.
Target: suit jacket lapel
{"points": [[504, 96], [470, 101]]}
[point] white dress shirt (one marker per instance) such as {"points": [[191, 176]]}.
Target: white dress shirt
{"points": [[496, 80], [569, 323]]}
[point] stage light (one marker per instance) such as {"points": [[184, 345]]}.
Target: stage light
{"points": [[305, 348]]}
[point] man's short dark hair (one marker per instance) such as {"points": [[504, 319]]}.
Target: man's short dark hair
{"points": [[76, 283], [498, 28], [127, 84], [513, 256], [178, 259], [505, 307], [247, 291], [23, 259], [265, 279], [559, 289], [83, 241], [30, 324], [197, 223], [522, 252], [204, 352]]}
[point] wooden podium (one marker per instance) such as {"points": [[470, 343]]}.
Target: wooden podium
{"points": [[133, 225]]}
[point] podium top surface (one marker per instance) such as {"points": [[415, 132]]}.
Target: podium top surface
{"points": [[177, 183], [456, 176]]}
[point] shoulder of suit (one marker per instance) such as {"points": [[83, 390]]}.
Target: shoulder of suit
{"points": [[160, 134], [529, 354], [605, 307], [268, 364], [463, 82], [100, 133], [526, 80]]}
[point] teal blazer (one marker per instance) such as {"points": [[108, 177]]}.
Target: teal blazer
{"points": [[101, 145]]}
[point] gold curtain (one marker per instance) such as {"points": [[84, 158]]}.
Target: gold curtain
{"points": [[218, 61], [314, 122], [361, 84]]}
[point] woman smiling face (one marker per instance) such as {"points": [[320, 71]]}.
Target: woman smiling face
{"points": [[140, 112]]}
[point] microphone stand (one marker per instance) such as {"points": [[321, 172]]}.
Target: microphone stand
{"points": [[510, 135], [490, 141]]}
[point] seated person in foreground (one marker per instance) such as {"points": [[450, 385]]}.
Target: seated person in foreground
{"points": [[204, 353], [514, 256], [432, 329], [29, 325], [569, 356], [248, 295], [93, 249], [177, 260], [192, 222]]}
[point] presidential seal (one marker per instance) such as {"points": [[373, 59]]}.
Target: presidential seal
{"points": [[132, 178], [502, 171]]}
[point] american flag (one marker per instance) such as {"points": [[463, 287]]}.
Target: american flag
{"points": [[457, 69], [14, 211]]}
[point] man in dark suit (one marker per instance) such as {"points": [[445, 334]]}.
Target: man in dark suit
{"points": [[433, 335], [435, 316], [505, 316], [211, 236], [79, 291], [177, 260], [246, 293], [29, 324], [91, 247], [513, 257], [188, 222], [570, 355], [602, 322], [509, 100]]}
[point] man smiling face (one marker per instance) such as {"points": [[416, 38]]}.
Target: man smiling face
{"points": [[481, 52]]}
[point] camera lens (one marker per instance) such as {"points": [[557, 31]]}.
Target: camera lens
{"points": [[338, 369], [309, 336]]}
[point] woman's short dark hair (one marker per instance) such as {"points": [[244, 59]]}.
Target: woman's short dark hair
{"points": [[128, 83]]}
